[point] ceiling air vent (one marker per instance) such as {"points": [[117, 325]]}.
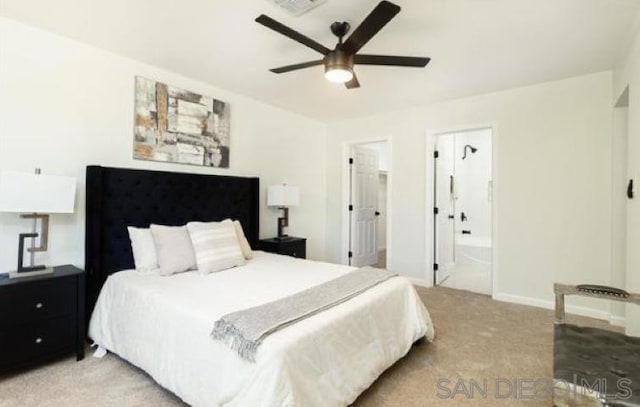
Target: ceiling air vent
{"points": [[298, 7]]}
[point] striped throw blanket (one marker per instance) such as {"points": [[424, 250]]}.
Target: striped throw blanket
{"points": [[244, 331]]}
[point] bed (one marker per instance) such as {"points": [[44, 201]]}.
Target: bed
{"points": [[163, 324]]}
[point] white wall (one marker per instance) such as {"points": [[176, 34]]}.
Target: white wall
{"points": [[64, 105], [552, 183], [627, 74]]}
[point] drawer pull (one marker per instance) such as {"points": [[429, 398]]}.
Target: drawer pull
{"points": [[39, 305], [38, 341]]}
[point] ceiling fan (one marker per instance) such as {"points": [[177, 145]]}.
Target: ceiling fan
{"points": [[338, 63]]}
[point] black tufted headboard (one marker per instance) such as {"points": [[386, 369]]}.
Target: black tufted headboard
{"points": [[118, 197]]}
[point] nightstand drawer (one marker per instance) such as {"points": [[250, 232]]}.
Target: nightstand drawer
{"points": [[39, 301], [288, 246], [296, 249], [21, 343]]}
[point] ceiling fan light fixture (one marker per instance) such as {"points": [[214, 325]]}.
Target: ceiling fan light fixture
{"points": [[338, 67], [338, 74]]}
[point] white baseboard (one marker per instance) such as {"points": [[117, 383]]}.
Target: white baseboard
{"points": [[570, 309], [536, 302], [420, 282], [617, 320]]}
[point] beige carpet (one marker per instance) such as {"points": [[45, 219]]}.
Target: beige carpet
{"points": [[476, 338]]}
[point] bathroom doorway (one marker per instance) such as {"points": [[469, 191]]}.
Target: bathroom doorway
{"points": [[462, 214]]}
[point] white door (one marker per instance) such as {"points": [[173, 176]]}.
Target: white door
{"points": [[364, 201], [382, 209], [444, 236], [633, 220]]}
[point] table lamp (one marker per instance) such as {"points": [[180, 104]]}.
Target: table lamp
{"points": [[35, 196], [282, 196]]}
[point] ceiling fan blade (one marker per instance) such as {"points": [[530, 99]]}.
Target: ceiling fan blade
{"points": [[295, 67], [353, 83], [294, 35], [391, 60], [379, 17]]}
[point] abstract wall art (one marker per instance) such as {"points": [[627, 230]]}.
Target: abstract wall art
{"points": [[175, 125]]}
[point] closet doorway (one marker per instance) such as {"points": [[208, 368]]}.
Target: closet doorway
{"points": [[367, 191], [462, 214]]}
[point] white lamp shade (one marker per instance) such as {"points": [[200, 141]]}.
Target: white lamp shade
{"points": [[30, 193], [283, 195]]}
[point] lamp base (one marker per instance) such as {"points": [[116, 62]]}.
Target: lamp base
{"points": [[22, 274], [283, 222]]}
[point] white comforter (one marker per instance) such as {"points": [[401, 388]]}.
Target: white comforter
{"points": [[162, 325]]}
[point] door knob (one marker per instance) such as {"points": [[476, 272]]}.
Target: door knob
{"points": [[630, 193], [377, 213]]}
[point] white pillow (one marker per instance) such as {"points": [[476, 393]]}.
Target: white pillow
{"points": [[242, 240], [143, 248], [174, 249], [215, 245]]}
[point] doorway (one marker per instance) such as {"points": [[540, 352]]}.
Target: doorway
{"points": [[462, 213], [367, 220]]}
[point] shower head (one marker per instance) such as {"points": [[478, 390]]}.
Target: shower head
{"points": [[472, 148]]}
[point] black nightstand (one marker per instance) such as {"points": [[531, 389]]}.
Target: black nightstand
{"points": [[288, 245], [41, 317]]}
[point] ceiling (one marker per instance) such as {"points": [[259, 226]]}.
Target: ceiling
{"points": [[476, 46]]}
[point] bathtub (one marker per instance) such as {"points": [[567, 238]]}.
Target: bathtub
{"points": [[473, 250], [472, 268]]}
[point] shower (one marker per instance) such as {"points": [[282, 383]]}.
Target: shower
{"points": [[462, 233], [468, 146]]}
